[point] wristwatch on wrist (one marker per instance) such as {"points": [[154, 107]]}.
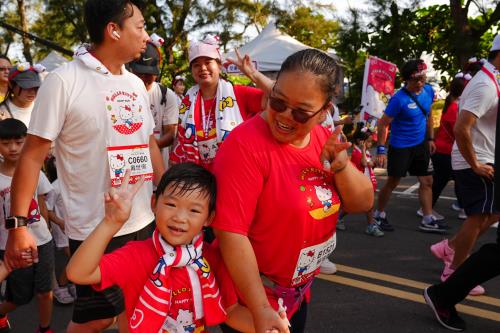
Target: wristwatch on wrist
{"points": [[13, 222]]}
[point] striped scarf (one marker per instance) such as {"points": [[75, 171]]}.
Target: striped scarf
{"points": [[152, 308]]}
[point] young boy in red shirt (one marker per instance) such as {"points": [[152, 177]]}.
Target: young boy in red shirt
{"points": [[167, 283]]}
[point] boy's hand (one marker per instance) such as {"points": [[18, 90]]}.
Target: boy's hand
{"points": [[118, 201]]}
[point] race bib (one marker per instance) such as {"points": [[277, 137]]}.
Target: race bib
{"points": [[134, 158], [310, 258]]}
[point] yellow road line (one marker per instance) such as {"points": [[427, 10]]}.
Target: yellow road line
{"points": [[408, 283], [406, 295]]}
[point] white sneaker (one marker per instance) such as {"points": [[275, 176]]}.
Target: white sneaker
{"points": [[437, 216], [62, 295], [462, 215], [455, 206], [327, 267], [495, 225]]}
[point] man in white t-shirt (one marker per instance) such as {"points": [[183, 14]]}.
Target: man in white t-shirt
{"points": [[163, 101], [473, 157], [97, 113]]}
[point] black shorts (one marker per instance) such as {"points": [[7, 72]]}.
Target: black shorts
{"points": [[475, 193], [414, 160], [24, 283], [108, 303]]}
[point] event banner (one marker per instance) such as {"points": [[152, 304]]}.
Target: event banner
{"points": [[378, 87]]}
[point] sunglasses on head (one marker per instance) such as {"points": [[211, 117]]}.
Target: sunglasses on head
{"points": [[298, 114]]}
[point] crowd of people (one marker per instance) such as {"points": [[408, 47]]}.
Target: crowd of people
{"points": [[166, 202]]}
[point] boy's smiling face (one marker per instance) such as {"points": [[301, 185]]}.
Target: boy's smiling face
{"points": [[181, 216]]}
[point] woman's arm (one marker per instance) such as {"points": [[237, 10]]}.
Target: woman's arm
{"points": [[240, 260], [246, 66]]}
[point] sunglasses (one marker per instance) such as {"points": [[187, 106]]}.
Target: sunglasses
{"points": [[6, 69], [299, 115]]}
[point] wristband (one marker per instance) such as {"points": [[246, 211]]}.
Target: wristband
{"points": [[381, 150]]}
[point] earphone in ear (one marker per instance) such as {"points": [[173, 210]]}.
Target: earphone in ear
{"points": [[116, 34]]}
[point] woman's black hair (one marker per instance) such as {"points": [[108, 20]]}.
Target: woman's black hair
{"points": [[4, 57], [316, 62], [98, 13], [492, 55], [362, 133], [457, 86], [188, 177], [50, 168], [473, 68]]}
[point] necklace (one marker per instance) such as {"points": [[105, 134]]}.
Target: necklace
{"points": [[206, 117]]}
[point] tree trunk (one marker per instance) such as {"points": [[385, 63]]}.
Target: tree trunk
{"points": [[24, 27]]}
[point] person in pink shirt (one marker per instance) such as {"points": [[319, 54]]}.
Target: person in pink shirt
{"points": [[281, 179]]}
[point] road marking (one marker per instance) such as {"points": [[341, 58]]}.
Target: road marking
{"points": [[411, 189], [418, 298], [408, 283]]}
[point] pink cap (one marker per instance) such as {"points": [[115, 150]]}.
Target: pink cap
{"points": [[209, 47]]}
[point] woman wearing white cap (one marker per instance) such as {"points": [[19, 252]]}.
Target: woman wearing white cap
{"points": [[214, 107], [24, 81]]}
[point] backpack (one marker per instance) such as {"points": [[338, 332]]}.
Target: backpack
{"points": [[164, 91]]}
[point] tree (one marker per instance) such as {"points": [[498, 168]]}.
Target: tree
{"points": [[309, 26], [351, 41]]}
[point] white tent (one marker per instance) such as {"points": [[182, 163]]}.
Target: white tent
{"points": [[268, 50], [53, 60]]}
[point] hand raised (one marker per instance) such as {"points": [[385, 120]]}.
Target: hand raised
{"points": [[334, 155], [244, 63], [118, 201]]}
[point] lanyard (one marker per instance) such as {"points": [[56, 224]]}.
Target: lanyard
{"points": [[206, 118]]}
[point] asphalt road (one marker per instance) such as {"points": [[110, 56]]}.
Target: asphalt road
{"points": [[378, 287]]}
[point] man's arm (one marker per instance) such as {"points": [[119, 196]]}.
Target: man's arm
{"points": [[382, 126], [169, 132], [462, 131], [156, 160], [24, 184]]}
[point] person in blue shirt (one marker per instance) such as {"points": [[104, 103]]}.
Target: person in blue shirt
{"points": [[411, 142]]}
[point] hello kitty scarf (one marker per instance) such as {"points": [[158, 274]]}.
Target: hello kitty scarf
{"points": [[189, 147], [152, 308]]}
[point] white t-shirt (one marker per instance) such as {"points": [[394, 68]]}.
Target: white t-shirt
{"points": [[166, 114], [37, 225], [76, 107], [55, 203], [22, 114], [480, 98]]}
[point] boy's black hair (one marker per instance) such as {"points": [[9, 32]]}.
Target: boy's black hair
{"points": [[98, 13], [11, 128], [188, 177]]}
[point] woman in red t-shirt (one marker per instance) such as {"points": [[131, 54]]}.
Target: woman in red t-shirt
{"points": [[441, 159], [213, 107], [281, 178]]}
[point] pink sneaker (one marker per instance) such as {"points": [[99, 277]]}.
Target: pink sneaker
{"points": [[443, 251], [447, 271]]}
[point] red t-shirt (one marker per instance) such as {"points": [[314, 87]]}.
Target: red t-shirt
{"points": [[130, 266], [280, 197], [356, 157], [445, 136]]}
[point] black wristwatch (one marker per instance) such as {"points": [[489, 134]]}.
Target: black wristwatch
{"points": [[13, 222]]}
